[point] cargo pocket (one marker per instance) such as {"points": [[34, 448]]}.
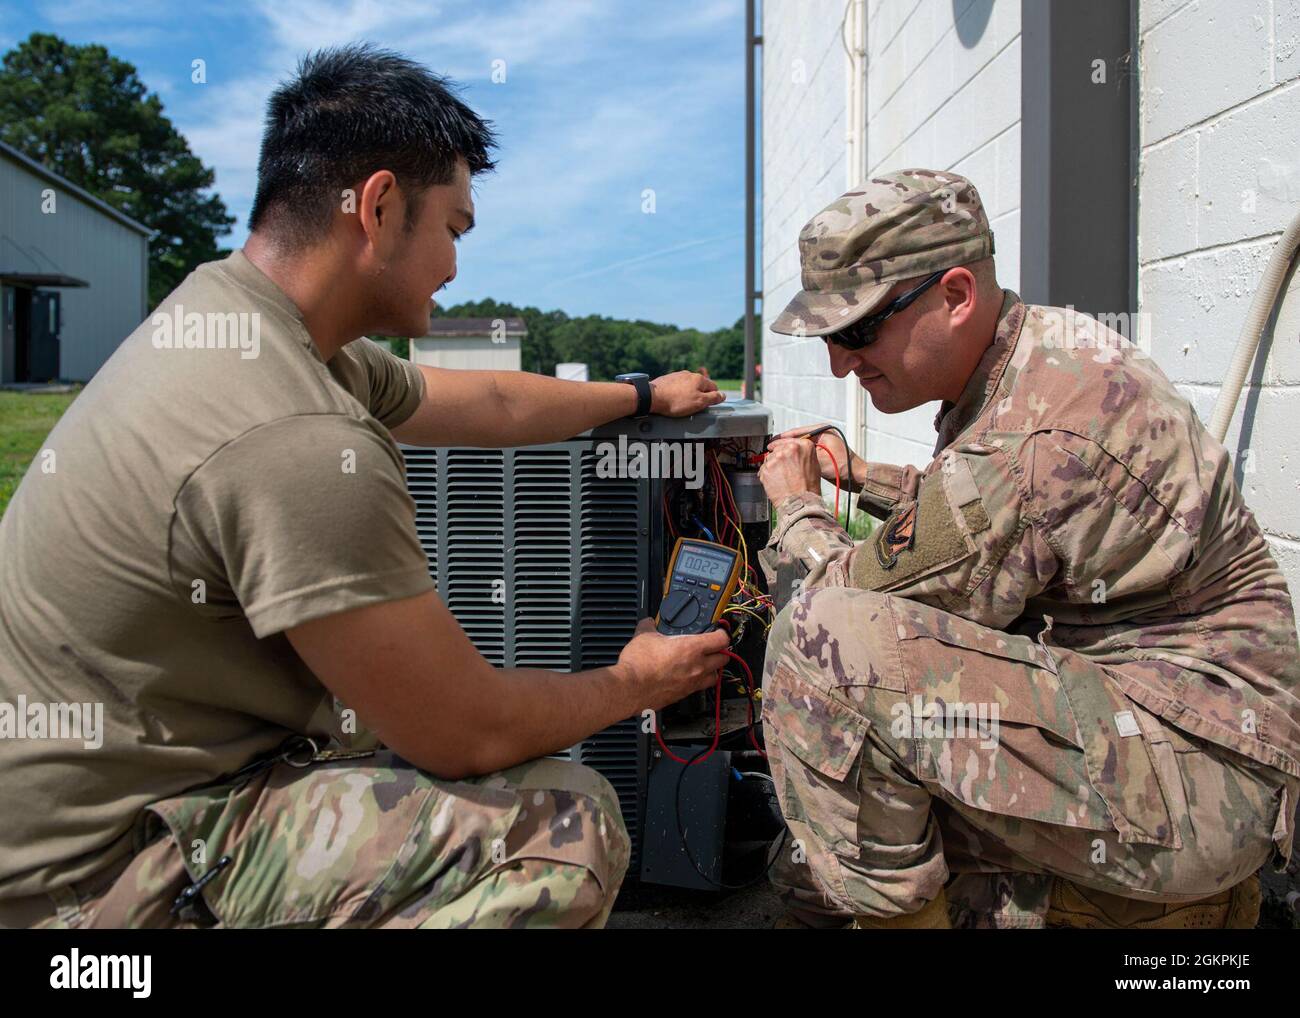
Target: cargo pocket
{"points": [[1166, 744], [1284, 825], [1117, 748], [817, 742], [335, 844], [1004, 729]]}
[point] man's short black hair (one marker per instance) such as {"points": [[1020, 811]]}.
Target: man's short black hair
{"points": [[351, 111]]}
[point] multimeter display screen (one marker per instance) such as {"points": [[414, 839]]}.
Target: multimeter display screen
{"points": [[706, 567]]}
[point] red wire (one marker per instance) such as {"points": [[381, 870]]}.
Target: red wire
{"points": [[715, 475], [749, 702], [725, 490], [717, 729], [717, 497], [836, 463], [735, 509], [717, 717]]}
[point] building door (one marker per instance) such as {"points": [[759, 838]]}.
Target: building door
{"points": [[8, 329], [37, 319]]}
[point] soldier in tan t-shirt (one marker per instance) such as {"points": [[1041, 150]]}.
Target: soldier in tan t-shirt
{"points": [[217, 543]]}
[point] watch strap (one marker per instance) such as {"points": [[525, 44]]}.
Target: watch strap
{"points": [[641, 383]]}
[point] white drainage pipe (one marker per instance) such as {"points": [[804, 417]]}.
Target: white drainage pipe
{"points": [[1248, 342]]}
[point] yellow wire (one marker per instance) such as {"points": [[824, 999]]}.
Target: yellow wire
{"points": [[739, 608], [739, 527]]}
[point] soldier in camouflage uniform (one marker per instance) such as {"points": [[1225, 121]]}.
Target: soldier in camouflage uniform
{"points": [[365, 839], [1059, 682]]}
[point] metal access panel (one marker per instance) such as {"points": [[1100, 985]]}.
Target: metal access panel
{"points": [[686, 813], [545, 565]]}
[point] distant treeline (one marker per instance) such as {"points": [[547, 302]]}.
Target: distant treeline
{"points": [[609, 346]]}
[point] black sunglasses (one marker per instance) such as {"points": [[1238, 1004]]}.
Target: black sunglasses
{"points": [[863, 332]]}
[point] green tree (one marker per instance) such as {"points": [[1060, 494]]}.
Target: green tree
{"points": [[86, 115], [609, 346], [725, 351]]}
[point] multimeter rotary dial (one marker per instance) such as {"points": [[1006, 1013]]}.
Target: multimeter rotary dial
{"points": [[679, 609]]}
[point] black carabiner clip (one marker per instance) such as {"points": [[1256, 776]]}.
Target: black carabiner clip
{"points": [[189, 904]]}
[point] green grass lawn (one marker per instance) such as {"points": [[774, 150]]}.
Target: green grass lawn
{"points": [[25, 420], [862, 524]]}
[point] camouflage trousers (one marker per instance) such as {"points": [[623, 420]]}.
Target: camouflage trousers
{"points": [[373, 842], [914, 751]]}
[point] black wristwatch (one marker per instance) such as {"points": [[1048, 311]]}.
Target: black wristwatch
{"points": [[640, 381]]}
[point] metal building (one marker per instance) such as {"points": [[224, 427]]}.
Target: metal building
{"points": [[74, 275]]}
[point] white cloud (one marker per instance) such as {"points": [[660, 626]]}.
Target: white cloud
{"points": [[601, 101], [638, 259]]}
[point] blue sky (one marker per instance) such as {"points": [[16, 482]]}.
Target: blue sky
{"points": [[601, 100]]}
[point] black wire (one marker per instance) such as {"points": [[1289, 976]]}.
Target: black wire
{"points": [[681, 833]]}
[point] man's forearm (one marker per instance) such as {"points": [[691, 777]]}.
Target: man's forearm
{"points": [[534, 713], [538, 409], [808, 532], [505, 408]]}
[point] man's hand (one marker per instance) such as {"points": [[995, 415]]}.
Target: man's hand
{"points": [[853, 468], [414, 678], [667, 668], [682, 393], [790, 468]]}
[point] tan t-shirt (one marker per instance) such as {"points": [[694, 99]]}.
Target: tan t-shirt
{"points": [[193, 503]]}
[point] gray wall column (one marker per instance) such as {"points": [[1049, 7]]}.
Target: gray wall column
{"points": [[1077, 155]]}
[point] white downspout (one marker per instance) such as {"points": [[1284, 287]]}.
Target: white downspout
{"points": [[1248, 342]]}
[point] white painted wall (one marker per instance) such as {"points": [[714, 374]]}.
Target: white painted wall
{"points": [[932, 101], [1219, 181], [803, 170], [935, 101]]}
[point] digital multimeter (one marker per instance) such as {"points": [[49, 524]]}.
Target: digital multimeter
{"points": [[702, 576]]}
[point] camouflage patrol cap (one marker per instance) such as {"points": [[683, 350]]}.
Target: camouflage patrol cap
{"points": [[892, 227]]}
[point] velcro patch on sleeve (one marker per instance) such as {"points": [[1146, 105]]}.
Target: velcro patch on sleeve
{"points": [[917, 538], [976, 518], [964, 493]]}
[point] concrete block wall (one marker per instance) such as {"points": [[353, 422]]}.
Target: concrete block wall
{"points": [[943, 91], [803, 169], [1219, 179]]}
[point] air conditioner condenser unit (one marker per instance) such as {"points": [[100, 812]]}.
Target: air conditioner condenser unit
{"points": [[548, 556]]}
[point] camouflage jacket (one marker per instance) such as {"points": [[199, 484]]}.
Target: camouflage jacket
{"points": [[1075, 495]]}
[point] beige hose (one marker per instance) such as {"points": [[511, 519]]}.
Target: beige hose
{"points": [[1248, 342]]}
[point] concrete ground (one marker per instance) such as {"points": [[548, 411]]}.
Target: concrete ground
{"points": [[670, 908], [757, 907]]}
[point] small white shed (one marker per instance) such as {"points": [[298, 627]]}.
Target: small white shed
{"points": [[492, 344]]}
